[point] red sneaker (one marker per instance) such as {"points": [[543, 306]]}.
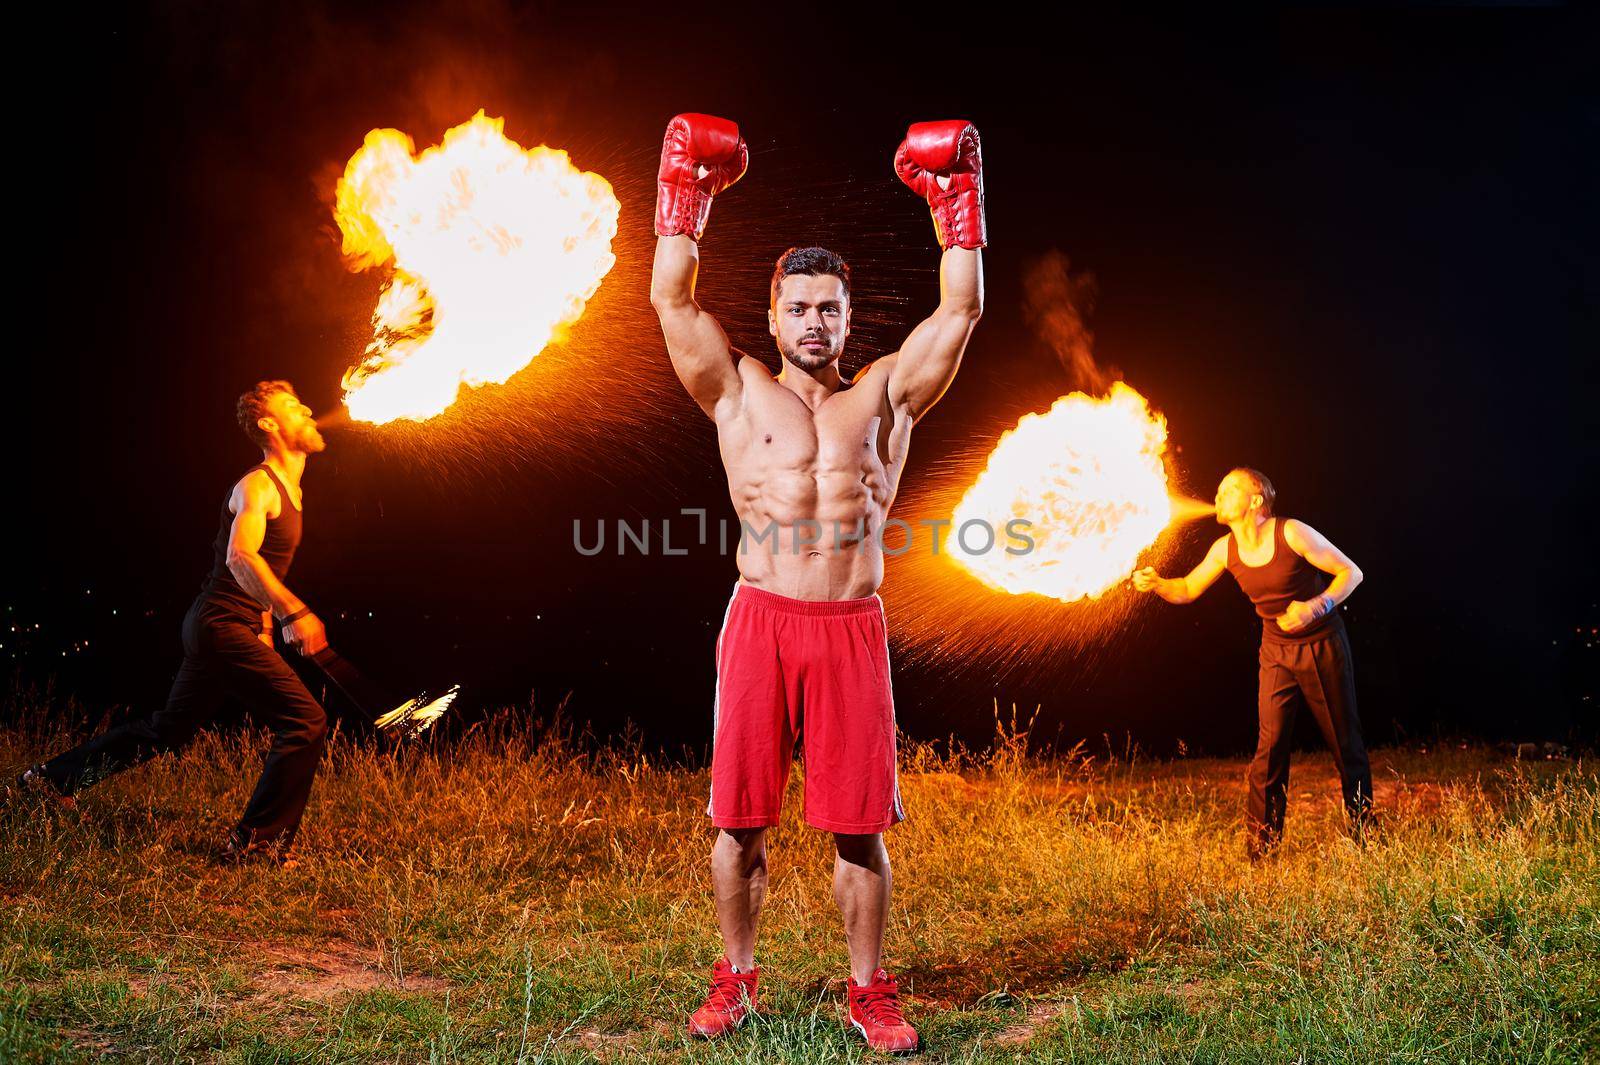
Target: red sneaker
{"points": [[732, 998], [875, 1013]]}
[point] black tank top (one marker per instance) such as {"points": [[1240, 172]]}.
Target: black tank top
{"points": [[220, 587], [1274, 586]]}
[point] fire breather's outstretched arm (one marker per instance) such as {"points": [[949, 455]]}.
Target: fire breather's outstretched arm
{"points": [[251, 504], [1316, 549], [941, 162], [700, 156], [1181, 590]]}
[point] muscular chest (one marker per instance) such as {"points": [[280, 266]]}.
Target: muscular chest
{"points": [[849, 435]]}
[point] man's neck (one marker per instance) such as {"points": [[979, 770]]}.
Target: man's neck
{"points": [[1250, 530], [287, 464], [811, 386]]}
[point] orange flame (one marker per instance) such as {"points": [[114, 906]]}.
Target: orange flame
{"points": [[495, 249], [1090, 476]]}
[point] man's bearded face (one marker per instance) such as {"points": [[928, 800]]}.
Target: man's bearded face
{"points": [[296, 424], [811, 320]]}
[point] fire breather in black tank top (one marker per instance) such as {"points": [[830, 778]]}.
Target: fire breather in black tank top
{"points": [[220, 587], [1283, 580]]}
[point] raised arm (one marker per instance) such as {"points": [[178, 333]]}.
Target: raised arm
{"points": [[927, 362], [252, 503], [1181, 590], [942, 162], [700, 156], [1318, 550], [696, 344]]}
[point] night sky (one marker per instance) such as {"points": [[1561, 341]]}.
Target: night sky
{"points": [[1356, 250]]}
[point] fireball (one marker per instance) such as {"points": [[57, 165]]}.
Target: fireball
{"points": [[494, 249], [1089, 477]]}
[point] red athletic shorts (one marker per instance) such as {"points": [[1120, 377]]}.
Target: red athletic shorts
{"points": [[788, 668]]}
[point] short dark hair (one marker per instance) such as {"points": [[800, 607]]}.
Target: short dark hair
{"points": [[812, 261], [1264, 487], [252, 407]]}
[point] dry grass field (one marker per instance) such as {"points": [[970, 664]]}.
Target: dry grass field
{"points": [[515, 896]]}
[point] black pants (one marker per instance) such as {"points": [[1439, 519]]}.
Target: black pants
{"points": [[1317, 674], [223, 657]]}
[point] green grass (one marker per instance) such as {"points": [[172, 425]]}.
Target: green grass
{"points": [[514, 898]]}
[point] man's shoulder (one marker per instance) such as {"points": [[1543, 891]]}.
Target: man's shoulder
{"points": [[879, 366], [255, 480], [753, 378], [256, 487], [753, 373], [871, 380], [748, 364], [1301, 537]]}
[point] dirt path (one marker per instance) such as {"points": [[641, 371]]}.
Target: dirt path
{"points": [[330, 969]]}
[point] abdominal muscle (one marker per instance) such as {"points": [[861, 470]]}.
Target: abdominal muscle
{"points": [[812, 536]]}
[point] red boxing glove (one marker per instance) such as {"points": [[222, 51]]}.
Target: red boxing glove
{"points": [[941, 162], [701, 156]]}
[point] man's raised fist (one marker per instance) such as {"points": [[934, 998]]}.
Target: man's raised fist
{"points": [[941, 162], [701, 156]]}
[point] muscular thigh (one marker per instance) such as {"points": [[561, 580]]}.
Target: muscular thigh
{"points": [[257, 675]]}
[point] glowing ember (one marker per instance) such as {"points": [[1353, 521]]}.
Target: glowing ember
{"points": [[495, 249], [1089, 474]]}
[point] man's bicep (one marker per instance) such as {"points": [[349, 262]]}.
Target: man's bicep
{"points": [[249, 528], [701, 355], [927, 362], [1315, 548], [1210, 568]]}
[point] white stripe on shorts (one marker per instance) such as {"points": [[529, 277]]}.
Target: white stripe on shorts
{"points": [[899, 807], [716, 698]]}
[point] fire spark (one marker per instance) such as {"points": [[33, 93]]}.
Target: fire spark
{"points": [[495, 251]]}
